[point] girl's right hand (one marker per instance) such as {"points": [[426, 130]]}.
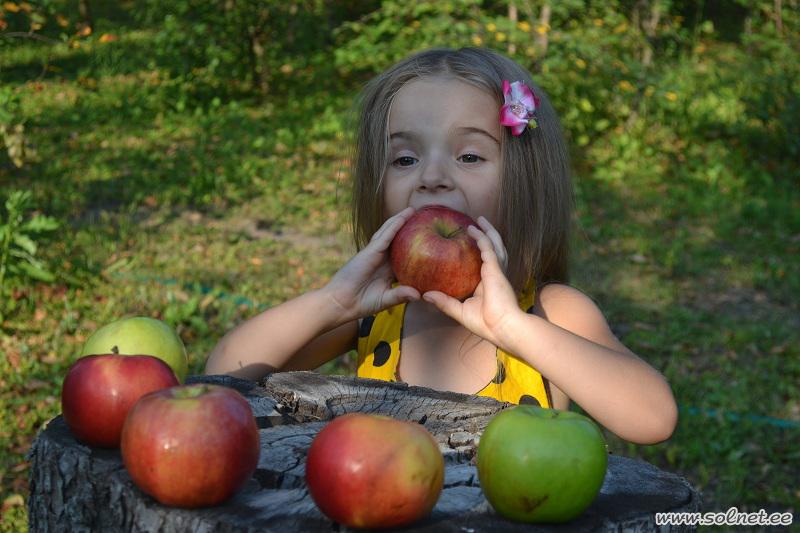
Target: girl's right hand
{"points": [[363, 286]]}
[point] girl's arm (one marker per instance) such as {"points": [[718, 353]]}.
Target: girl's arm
{"points": [[299, 334], [569, 342], [313, 328]]}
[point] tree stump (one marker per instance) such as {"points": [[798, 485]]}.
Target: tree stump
{"points": [[78, 488]]}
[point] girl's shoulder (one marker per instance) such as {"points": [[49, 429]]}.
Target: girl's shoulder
{"points": [[571, 309], [555, 292]]}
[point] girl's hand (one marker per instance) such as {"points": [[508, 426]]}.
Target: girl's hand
{"points": [[493, 301], [364, 285]]}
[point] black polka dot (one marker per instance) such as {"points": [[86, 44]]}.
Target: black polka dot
{"points": [[382, 353], [529, 400], [501, 373], [366, 326]]}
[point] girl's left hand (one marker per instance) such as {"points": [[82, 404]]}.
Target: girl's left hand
{"points": [[493, 301]]}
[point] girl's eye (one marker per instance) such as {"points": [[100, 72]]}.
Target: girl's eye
{"points": [[470, 158], [404, 161]]}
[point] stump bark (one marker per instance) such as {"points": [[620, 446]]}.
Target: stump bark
{"points": [[78, 488]]}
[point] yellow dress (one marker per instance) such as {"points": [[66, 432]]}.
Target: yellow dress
{"points": [[379, 357]]}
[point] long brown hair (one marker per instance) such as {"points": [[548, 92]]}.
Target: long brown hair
{"points": [[535, 200]]}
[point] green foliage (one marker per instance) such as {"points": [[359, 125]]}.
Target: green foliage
{"points": [[398, 28], [12, 129], [24, 17], [9, 106], [219, 49], [18, 246]]}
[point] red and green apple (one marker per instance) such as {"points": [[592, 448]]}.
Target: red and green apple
{"points": [[140, 335], [541, 465]]}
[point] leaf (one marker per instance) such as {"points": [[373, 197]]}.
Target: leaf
{"points": [[24, 242], [40, 223], [17, 202], [37, 272], [21, 254]]}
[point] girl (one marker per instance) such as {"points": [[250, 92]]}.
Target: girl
{"points": [[460, 128]]}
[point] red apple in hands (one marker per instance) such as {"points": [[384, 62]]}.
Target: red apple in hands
{"points": [[191, 445], [371, 471], [433, 252], [99, 390]]}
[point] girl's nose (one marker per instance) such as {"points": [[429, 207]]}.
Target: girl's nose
{"points": [[435, 176]]}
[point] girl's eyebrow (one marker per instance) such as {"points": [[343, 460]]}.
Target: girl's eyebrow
{"points": [[401, 135], [407, 135], [479, 131]]}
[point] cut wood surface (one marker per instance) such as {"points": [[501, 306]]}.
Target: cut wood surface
{"points": [[78, 488]]}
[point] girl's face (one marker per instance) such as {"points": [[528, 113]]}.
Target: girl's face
{"points": [[444, 148]]}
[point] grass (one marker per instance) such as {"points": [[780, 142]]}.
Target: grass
{"points": [[172, 209]]}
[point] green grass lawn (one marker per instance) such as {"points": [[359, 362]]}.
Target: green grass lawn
{"points": [[199, 215]]}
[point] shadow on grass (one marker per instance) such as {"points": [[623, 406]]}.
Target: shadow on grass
{"points": [[226, 155]]}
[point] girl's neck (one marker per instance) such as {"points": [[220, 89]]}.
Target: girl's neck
{"points": [[428, 308], [427, 313]]}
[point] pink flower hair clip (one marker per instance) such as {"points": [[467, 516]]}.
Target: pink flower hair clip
{"points": [[519, 107]]}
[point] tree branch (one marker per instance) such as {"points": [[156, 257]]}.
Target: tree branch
{"points": [[29, 35]]}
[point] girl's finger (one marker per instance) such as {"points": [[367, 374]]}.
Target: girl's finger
{"points": [[444, 303], [497, 241], [400, 294], [476, 233], [390, 227], [483, 241], [488, 253]]}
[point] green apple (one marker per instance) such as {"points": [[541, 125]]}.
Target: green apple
{"points": [[140, 335], [541, 465]]}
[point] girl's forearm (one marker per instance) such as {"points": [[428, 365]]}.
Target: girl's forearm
{"points": [[619, 390], [267, 341]]}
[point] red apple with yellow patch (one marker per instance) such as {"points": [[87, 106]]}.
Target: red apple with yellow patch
{"points": [[433, 252], [372, 471], [99, 390], [191, 445]]}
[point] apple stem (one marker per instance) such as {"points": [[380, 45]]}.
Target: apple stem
{"points": [[190, 391], [454, 232]]}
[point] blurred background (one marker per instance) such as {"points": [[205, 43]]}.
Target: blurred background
{"points": [[187, 160]]}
